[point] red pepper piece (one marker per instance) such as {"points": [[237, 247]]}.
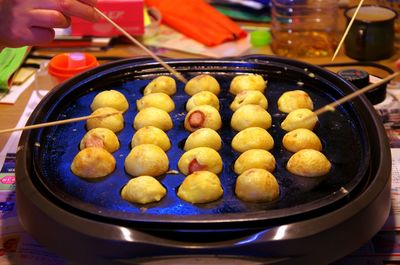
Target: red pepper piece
{"points": [[194, 166]]}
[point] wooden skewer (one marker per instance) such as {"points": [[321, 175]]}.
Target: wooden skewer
{"points": [[54, 123], [158, 59], [336, 103], [347, 30]]}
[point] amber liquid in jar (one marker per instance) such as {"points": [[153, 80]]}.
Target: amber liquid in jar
{"points": [[304, 28]]}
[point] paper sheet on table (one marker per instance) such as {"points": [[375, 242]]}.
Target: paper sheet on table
{"points": [[168, 38], [11, 95], [12, 143]]}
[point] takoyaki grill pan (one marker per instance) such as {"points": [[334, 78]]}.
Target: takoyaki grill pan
{"points": [[352, 137]]}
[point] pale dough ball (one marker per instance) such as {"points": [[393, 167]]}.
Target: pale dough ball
{"points": [[200, 187], [254, 158], [110, 98], [93, 162], [151, 135], [100, 137], [114, 122], [158, 100], [153, 117], [202, 98], [301, 138], [308, 163], [252, 138], [250, 116], [200, 159], [163, 84], [202, 117], [299, 118], [202, 83], [257, 185], [146, 159], [204, 137], [247, 97], [143, 189], [295, 99], [247, 82]]}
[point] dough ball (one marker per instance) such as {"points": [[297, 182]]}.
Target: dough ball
{"points": [[300, 118], [203, 98], [200, 187], [153, 117], [254, 158], [143, 189], [308, 163], [157, 100], [252, 138], [113, 122], [100, 137], [204, 137], [203, 117], [247, 97], [163, 84], [200, 159], [151, 135], [146, 160], [301, 138], [250, 116], [93, 162], [247, 82], [296, 99], [110, 98], [257, 185], [202, 83]]}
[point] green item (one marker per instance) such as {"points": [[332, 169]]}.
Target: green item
{"points": [[10, 60], [259, 38]]}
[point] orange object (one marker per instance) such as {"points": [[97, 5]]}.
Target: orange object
{"points": [[66, 65], [198, 20]]}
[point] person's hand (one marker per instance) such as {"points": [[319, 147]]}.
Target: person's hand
{"points": [[31, 22]]}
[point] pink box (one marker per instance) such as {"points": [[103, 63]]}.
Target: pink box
{"points": [[126, 13]]}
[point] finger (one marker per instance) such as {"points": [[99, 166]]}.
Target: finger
{"points": [[34, 36], [41, 36], [81, 9], [78, 9], [89, 2], [44, 18]]}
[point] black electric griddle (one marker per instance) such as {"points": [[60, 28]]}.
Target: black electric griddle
{"points": [[44, 161]]}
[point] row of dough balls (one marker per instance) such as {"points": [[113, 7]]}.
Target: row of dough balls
{"points": [[308, 159], [255, 182], [201, 163], [95, 159], [147, 158]]}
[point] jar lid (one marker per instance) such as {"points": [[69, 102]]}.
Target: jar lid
{"points": [[66, 65]]}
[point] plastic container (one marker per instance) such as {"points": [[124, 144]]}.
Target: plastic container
{"points": [[65, 65], [304, 28]]}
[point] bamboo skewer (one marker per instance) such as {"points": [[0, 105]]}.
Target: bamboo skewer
{"points": [[347, 30], [331, 106], [155, 57], [60, 122]]}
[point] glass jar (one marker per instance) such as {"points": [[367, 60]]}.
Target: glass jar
{"points": [[304, 28]]}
